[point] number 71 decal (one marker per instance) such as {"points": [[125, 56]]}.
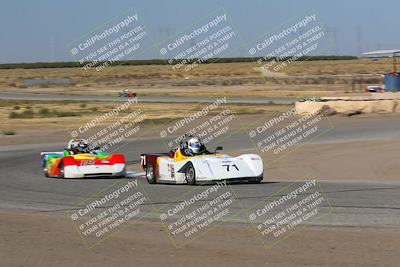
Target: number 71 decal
{"points": [[228, 166]]}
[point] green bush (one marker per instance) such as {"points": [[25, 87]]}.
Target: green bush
{"points": [[44, 112], [17, 107], [26, 114], [83, 105], [66, 114], [13, 115], [8, 132]]}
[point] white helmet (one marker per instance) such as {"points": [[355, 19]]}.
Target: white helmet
{"points": [[194, 145], [78, 146]]}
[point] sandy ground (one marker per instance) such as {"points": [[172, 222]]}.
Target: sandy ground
{"points": [[375, 160], [47, 240]]}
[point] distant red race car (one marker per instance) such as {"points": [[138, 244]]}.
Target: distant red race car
{"points": [[127, 93]]}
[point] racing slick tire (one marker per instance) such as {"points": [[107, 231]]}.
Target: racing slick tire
{"points": [[150, 175], [190, 175], [121, 174], [61, 167]]}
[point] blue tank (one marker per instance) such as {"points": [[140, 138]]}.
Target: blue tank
{"points": [[392, 82]]}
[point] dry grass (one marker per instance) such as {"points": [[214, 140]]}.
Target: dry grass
{"points": [[42, 123], [207, 79]]}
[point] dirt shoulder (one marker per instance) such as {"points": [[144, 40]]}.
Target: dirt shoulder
{"points": [[51, 240], [370, 160]]}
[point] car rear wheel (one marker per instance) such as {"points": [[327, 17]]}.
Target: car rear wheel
{"points": [[150, 175], [190, 175]]}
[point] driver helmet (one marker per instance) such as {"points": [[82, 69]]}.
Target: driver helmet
{"points": [[78, 146], [82, 146], [194, 145]]}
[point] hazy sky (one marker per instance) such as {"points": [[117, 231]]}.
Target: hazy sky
{"points": [[41, 30]]}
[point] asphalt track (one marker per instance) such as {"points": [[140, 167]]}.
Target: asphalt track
{"points": [[354, 204], [144, 99]]}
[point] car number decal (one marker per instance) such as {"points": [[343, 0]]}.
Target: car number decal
{"points": [[87, 162], [228, 167]]}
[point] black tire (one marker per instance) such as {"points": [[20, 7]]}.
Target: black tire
{"points": [[61, 167], [46, 173], [150, 175], [122, 174], [190, 175]]}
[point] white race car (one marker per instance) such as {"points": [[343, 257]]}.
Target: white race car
{"points": [[175, 167]]}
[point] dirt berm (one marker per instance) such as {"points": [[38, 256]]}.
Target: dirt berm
{"points": [[349, 106]]}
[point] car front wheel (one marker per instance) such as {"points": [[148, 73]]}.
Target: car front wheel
{"points": [[190, 175]]}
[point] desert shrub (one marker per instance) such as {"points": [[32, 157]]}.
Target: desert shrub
{"points": [[26, 114], [8, 132], [65, 114], [44, 112]]}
